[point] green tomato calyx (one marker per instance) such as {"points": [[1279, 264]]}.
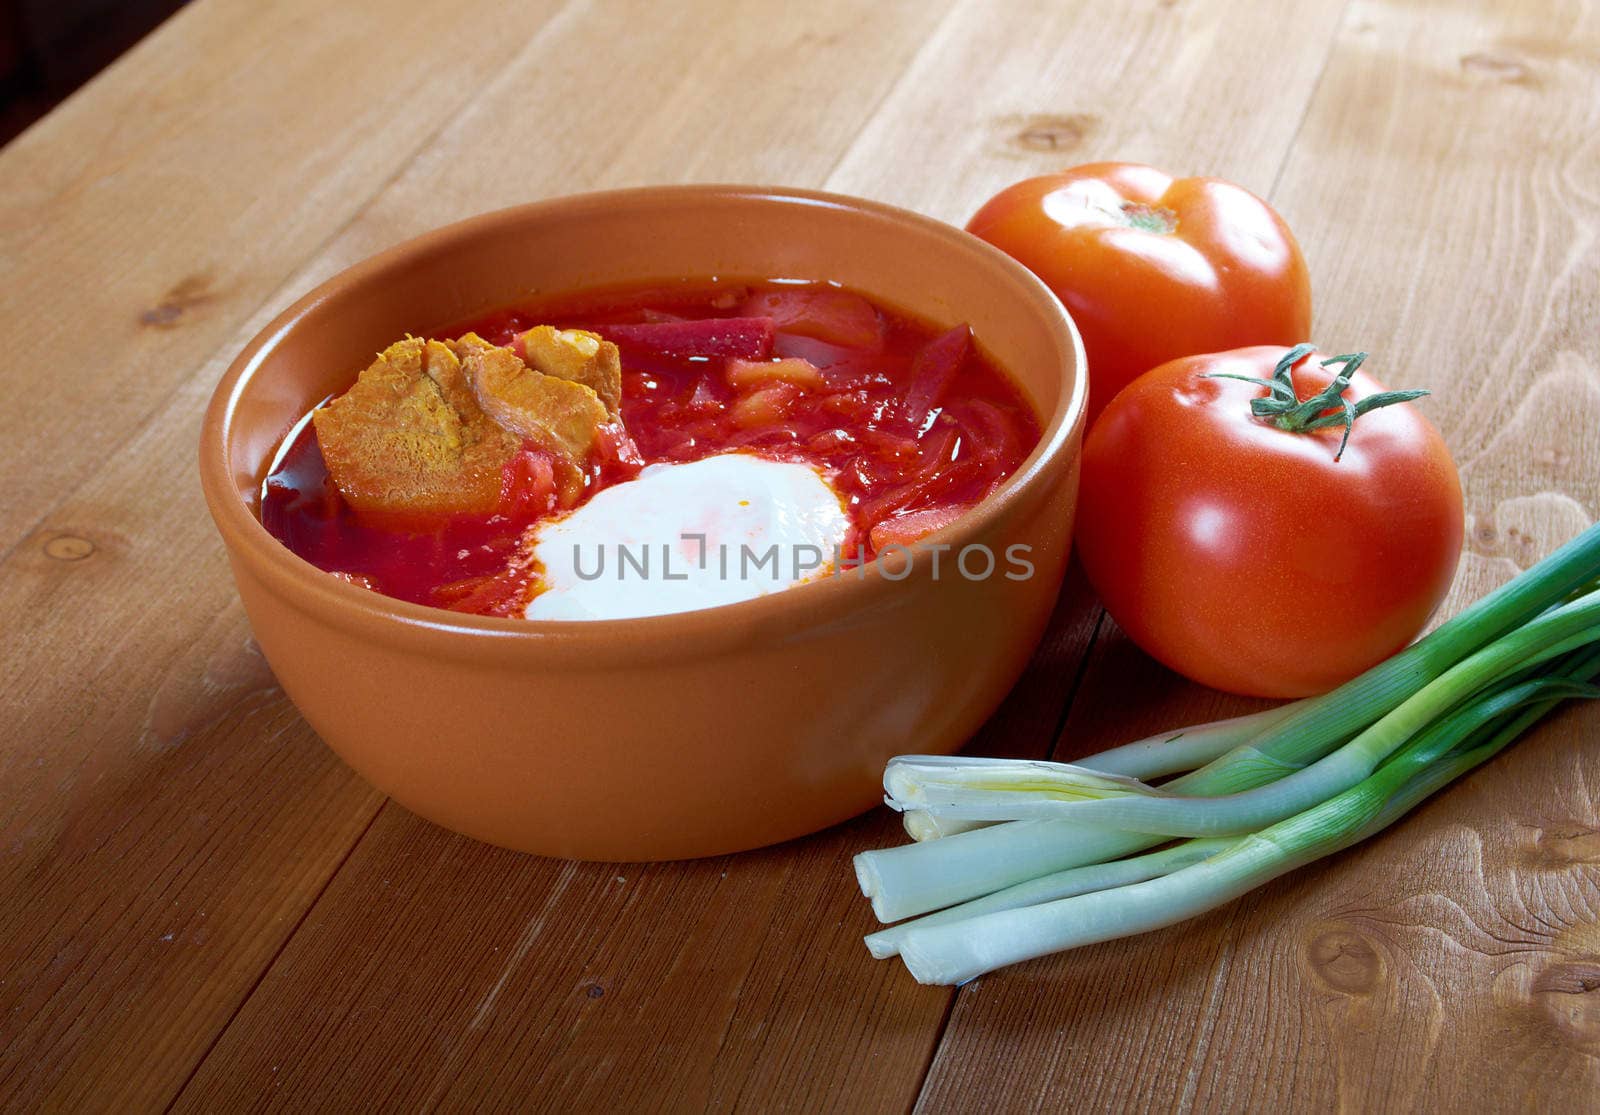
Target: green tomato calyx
{"points": [[1285, 409]]}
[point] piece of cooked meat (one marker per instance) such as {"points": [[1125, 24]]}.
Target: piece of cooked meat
{"points": [[580, 356], [554, 413], [409, 439]]}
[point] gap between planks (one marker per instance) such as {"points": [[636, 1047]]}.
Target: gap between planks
{"points": [[272, 961]]}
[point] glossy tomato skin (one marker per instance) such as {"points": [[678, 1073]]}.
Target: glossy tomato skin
{"points": [[1152, 267], [1244, 556]]}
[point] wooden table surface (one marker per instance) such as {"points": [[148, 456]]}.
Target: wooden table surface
{"points": [[200, 907]]}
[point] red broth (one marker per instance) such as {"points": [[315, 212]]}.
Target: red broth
{"points": [[912, 425]]}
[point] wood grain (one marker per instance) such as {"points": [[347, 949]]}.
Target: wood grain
{"points": [[199, 905], [1449, 964], [151, 213], [1051, 85]]}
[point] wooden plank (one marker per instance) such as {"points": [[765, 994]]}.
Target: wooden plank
{"points": [[786, 1010], [1449, 964], [1006, 92], [166, 815], [146, 218], [647, 116]]}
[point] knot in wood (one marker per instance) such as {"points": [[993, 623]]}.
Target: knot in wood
{"points": [[1345, 959]]}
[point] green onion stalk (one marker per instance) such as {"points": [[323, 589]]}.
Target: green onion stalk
{"points": [[1183, 750], [1062, 884]]}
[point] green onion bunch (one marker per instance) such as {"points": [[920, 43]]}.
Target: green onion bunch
{"points": [[1016, 859]]}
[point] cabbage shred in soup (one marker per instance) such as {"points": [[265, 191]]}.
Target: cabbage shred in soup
{"points": [[847, 427]]}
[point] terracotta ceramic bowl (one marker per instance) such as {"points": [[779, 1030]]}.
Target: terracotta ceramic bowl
{"points": [[670, 736]]}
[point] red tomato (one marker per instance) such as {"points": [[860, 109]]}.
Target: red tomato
{"points": [[1254, 559], [1151, 267]]}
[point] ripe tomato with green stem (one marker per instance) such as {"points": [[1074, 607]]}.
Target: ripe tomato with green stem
{"points": [[1153, 267], [1268, 522]]}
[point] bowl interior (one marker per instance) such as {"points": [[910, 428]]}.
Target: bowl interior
{"points": [[912, 263]]}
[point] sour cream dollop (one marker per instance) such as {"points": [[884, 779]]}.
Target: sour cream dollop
{"points": [[680, 537]]}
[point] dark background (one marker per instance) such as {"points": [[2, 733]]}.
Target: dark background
{"points": [[50, 47]]}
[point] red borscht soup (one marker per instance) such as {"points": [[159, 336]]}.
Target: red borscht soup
{"points": [[908, 426]]}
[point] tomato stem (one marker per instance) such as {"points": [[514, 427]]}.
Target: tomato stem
{"points": [[1327, 408], [1149, 218]]}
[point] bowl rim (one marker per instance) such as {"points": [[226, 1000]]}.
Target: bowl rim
{"points": [[824, 600]]}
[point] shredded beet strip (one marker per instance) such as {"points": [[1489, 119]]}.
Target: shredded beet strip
{"points": [[748, 338]]}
